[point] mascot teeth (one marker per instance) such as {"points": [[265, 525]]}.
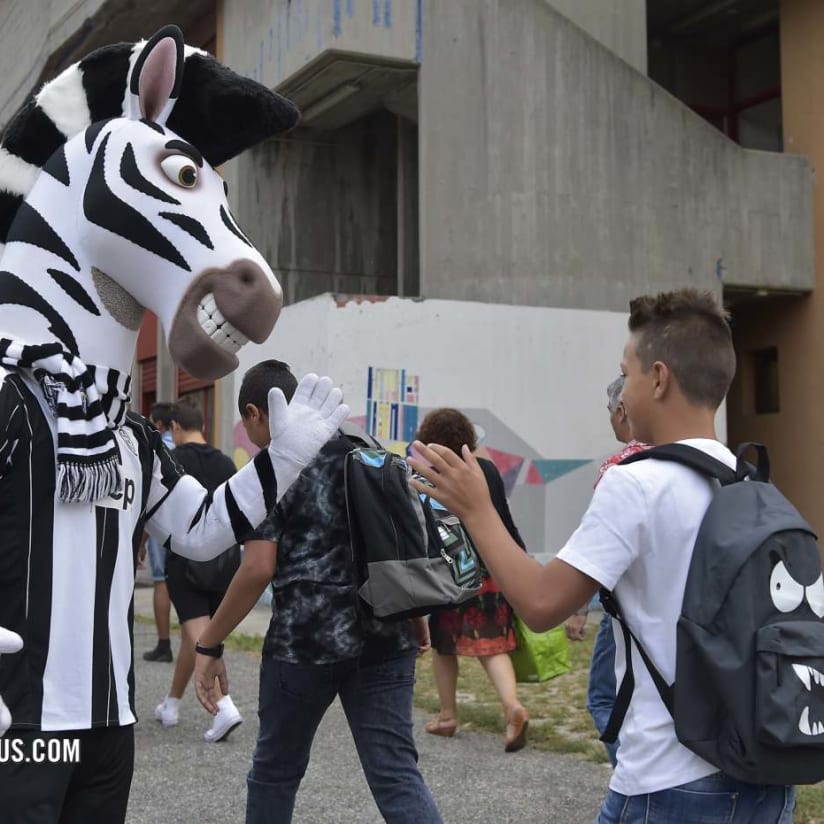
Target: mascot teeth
{"points": [[808, 675], [217, 327]]}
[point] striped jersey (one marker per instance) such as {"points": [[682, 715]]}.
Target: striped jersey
{"points": [[67, 569]]}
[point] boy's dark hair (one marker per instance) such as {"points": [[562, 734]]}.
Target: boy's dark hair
{"points": [[161, 412], [188, 416], [263, 376], [448, 427], [688, 331]]}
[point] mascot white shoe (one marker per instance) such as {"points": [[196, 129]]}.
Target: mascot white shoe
{"points": [[110, 205]]}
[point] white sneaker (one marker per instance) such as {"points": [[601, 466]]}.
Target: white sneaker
{"points": [[228, 717], [167, 713]]}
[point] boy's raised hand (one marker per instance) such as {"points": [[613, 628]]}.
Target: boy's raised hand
{"points": [[9, 642], [299, 429], [458, 483]]}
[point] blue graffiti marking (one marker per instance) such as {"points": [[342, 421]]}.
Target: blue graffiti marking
{"points": [[376, 12], [280, 47], [350, 8], [387, 14], [419, 32], [336, 18]]}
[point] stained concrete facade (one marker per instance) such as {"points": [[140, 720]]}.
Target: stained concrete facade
{"points": [[618, 25], [550, 170], [41, 37], [486, 150]]}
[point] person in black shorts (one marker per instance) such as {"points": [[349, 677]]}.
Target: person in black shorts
{"points": [[196, 588]]}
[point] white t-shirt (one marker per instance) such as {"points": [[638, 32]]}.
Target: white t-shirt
{"points": [[636, 538]]}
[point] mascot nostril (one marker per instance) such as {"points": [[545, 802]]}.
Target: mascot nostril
{"points": [[221, 311]]}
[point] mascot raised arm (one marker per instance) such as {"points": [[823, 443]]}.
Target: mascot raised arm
{"points": [[110, 205]]}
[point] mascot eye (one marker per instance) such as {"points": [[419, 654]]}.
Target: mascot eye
{"points": [[786, 593], [815, 597], [180, 170]]}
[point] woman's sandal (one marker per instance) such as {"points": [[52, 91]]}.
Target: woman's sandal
{"points": [[436, 726], [516, 727]]}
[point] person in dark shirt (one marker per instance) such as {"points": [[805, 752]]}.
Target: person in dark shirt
{"points": [[319, 644], [161, 604], [197, 587]]}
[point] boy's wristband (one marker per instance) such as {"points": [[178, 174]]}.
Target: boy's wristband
{"points": [[212, 652]]}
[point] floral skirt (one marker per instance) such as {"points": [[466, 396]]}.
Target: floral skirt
{"points": [[481, 626]]}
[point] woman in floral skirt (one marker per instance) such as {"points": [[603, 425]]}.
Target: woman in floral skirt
{"points": [[481, 627]]}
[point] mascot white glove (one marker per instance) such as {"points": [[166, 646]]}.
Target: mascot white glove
{"points": [[9, 642], [302, 427]]}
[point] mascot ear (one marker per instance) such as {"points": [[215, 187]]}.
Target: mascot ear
{"points": [[155, 82]]}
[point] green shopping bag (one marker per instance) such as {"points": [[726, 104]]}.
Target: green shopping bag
{"points": [[539, 656]]}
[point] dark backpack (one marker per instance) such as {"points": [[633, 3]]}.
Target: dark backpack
{"points": [[410, 555], [749, 677]]}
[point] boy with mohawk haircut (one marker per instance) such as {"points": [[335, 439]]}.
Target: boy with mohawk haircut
{"points": [[635, 539]]}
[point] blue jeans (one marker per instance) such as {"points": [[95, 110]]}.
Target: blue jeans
{"points": [[377, 701], [157, 559], [602, 689], [716, 799]]}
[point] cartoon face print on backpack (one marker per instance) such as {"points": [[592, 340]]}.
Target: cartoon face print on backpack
{"points": [[795, 580], [797, 593]]}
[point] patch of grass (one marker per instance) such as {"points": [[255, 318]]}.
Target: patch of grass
{"points": [[241, 642], [810, 809], [558, 720], [237, 641]]}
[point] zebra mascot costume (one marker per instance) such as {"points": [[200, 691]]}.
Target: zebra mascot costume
{"points": [[110, 205]]}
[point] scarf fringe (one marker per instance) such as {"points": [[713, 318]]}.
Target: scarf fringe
{"points": [[86, 483], [85, 472]]}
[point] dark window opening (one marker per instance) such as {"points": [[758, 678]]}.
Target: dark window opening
{"points": [[765, 380]]}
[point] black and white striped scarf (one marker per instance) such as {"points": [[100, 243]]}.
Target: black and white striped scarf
{"points": [[89, 402]]}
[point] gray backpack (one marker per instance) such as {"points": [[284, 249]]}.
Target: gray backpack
{"points": [[410, 556], [749, 678]]}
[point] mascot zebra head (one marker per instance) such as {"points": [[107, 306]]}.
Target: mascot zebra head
{"points": [[109, 205]]}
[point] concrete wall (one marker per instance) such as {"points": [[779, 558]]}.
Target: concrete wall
{"points": [[620, 25], [533, 379], [42, 37], [322, 208], [32, 31], [553, 173], [270, 40]]}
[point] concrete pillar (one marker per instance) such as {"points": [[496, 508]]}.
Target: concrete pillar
{"points": [[795, 434], [166, 371], [407, 198]]}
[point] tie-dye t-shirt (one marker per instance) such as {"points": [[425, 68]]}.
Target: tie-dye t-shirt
{"points": [[315, 617]]}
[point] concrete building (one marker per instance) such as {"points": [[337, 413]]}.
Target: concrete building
{"points": [[546, 154]]}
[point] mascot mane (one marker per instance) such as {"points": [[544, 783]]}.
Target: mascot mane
{"points": [[215, 109]]}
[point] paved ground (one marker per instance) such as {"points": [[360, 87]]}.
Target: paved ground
{"points": [[179, 779]]}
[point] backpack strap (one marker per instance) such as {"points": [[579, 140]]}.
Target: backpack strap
{"points": [[689, 456], [624, 694], [759, 472], [358, 436]]}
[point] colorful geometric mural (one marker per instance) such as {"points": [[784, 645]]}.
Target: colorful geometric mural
{"points": [[542, 471], [392, 415], [391, 404], [244, 449], [508, 465]]}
